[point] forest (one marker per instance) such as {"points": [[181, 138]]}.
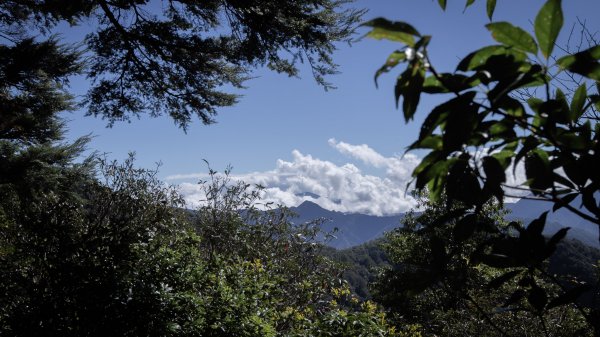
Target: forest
{"points": [[91, 246]]}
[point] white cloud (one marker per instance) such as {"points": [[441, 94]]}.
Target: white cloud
{"points": [[343, 188]]}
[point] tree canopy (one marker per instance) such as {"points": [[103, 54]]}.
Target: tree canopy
{"points": [[179, 58]]}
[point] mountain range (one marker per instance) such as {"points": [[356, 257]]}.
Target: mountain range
{"points": [[352, 229]]}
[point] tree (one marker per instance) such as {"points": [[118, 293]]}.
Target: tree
{"points": [[486, 128], [174, 57], [435, 283]]}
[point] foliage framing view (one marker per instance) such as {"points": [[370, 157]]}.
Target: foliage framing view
{"points": [[505, 107], [96, 248]]}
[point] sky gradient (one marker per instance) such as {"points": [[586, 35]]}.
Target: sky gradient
{"points": [[290, 135]]}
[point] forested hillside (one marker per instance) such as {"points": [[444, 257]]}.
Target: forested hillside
{"points": [[91, 246]]}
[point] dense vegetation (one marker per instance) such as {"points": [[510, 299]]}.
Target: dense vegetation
{"points": [[521, 101], [90, 247]]}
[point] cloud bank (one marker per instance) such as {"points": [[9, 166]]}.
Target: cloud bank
{"points": [[344, 188]]}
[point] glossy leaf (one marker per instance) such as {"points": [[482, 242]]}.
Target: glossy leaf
{"points": [[513, 36], [547, 25], [478, 58], [392, 30]]}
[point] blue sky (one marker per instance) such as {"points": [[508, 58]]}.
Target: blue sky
{"points": [[291, 134]]}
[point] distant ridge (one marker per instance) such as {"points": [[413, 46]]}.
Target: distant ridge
{"points": [[353, 228]]}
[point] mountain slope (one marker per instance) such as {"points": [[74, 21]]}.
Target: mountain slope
{"points": [[352, 228]]}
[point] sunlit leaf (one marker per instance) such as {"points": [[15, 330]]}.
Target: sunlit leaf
{"points": [[548, 23], [513, 36], [392, 30], [479, 57]]}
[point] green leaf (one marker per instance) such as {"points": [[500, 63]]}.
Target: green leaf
{"points": [[490, 7], [578, 102], [584, 63], [513, 36], [409, 86], [442, 4], [479, 57], [548, 23], [469, 3], [393, 60], [392, 30]]}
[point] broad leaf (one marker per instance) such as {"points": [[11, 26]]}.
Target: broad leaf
{"points": [[584, 63], [548, 23], [392, 30], [513, 36], [409, 86], [393, 60], [480, 57], [578, 102]]}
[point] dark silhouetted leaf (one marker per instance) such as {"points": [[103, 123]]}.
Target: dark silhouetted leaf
{"points": [[536, 227], [537, 297], [465, 227], [569, 296], [584, 63], [558, 236], [442, 4], [564, 201]]}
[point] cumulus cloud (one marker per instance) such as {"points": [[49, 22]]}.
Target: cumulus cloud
{"points": [[344, 188]]}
